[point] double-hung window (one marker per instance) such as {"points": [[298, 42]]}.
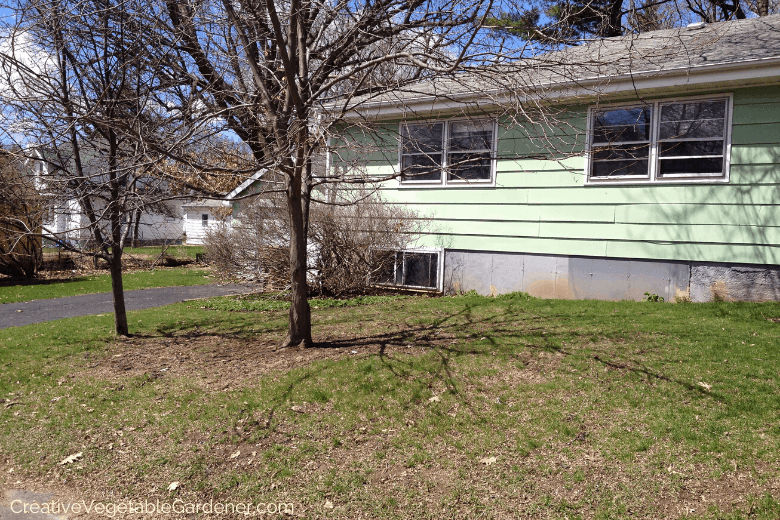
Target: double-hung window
{"points": [[447, 152], [664, 141]]}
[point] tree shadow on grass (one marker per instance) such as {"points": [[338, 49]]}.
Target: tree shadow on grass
{"points": [[513, 332]]}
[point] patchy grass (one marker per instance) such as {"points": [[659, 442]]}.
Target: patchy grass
{"points": [[142, 279], [458, 407]]}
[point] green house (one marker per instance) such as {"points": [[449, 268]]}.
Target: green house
{"points": [[653, 167]]}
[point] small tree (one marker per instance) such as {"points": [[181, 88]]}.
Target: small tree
{"points": [[81, 84]]}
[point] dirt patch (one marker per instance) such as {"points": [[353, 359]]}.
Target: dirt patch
{"points": [[218, 362]]}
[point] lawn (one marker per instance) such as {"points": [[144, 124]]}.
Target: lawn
{"points": [[181, 252], [457, 407], [140, 279]]}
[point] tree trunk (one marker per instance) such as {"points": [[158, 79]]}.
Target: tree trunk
{"points": [[120, 314], [615, 19], [136, 225], [763, 7], [299, 333]]}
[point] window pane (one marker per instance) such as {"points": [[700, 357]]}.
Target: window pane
{"points": [[421, 269], [469, 166], [471, 136], [625, 151], [422, 167], [694, 111], [620, 168], [622, 124], [692, 129], [422, 138], [688, 148], [705, 166], [383, 267]]}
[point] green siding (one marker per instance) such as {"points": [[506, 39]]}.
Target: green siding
{"points": [[542, 206]]}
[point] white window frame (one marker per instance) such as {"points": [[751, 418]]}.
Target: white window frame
{"points": [[439, 269], [443, 182], [654, 156]]}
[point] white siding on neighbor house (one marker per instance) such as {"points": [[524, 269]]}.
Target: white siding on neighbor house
{"points": [[160, 227], [193, 224], [70, 221]]}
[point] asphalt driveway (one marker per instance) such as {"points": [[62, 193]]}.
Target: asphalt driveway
{"points": [[39, 311]]}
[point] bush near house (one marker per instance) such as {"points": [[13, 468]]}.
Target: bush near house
{"points": [[349, 242]]}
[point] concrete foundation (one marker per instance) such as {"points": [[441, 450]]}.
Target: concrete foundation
{"points": [[579, 277]]}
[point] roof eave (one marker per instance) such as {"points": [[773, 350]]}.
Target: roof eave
{"points": [[743, 72]]}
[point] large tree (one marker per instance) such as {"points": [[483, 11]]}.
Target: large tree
{"points": [[280, 75]]}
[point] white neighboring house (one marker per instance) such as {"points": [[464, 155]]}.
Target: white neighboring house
{"points": [[199, 214], [161, 222]]}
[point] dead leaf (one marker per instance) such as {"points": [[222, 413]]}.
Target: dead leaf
{"points": [[328, 504], [487, 461], [236, 454], [174, 486], [704, 385], [71, 458], [434, 399], [297, 408]]}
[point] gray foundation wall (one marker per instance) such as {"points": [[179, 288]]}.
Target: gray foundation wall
{"points": [[577, 277]]}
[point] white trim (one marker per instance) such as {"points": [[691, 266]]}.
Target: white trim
{"points": [[654, 156], [244, 185], [443, 182]]}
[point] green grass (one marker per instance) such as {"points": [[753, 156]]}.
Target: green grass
{"points": [[264, 302], [173, 251], [45, 289], [591, 409]]}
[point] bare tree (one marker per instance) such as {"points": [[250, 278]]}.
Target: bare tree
{"points": [[80, 85], [281, 75]]}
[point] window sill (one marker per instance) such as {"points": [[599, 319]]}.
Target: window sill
{"points": [[649, 182], [456, 184]]}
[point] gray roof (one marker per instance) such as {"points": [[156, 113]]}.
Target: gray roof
{"points": [[204, 203], [754, 40]]}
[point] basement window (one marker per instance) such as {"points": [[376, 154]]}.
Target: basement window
{"points": [[664, 141], [414, 268]]}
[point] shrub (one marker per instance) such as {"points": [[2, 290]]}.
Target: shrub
{"points": [[349, 241], [20, 221]]}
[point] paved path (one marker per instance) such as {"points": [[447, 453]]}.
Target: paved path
{"points": [[38, 311]]}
